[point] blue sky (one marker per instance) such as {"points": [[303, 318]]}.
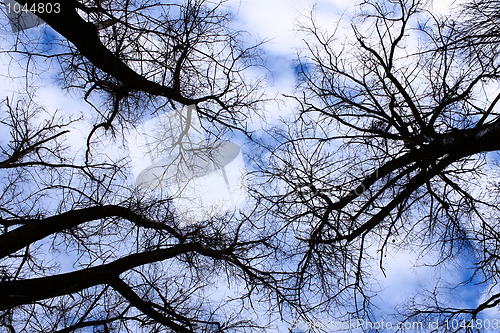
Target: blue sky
{"points": [[275, 21], [405, 274]]}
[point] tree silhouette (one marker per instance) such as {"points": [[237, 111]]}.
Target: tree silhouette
{"points": [[135, 267], [386, 152]]}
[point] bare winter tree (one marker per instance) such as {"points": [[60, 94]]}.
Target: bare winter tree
{"points": [[132, 265], [388, 152]]}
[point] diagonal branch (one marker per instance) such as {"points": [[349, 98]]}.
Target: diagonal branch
{"points": [[37, 229], [85, 37], [145, 307], [15, 293]]}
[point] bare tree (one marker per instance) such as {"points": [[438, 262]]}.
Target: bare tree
{"points": [[134, 266], [388, 152]]}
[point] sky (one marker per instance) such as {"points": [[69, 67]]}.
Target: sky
{"points": [[275, 21]]}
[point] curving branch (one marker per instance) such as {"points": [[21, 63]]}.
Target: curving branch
{"points": [[37, 229]]}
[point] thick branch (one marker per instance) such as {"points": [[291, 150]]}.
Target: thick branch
{"points": [[453, 146], [35, 230], [15, 293], [145, 307], [85, 37]]}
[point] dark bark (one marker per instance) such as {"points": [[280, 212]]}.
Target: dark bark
{"points": [[37, 229], [145, 307], [15, 293], [84, 36]]}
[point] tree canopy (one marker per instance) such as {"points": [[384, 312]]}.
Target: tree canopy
{"points": [[386, 158]]}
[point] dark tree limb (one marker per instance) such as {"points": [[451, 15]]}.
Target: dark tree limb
{"points": [[145, 307], [37, 229], [15, 293], [84, 35]]}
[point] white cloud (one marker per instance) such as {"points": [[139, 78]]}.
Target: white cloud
{"points": [[277, 20]]}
